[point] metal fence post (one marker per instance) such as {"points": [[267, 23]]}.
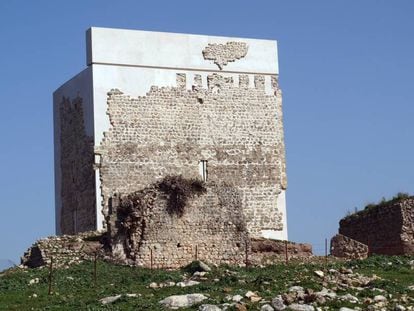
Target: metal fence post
{"points": [[50, 275], [286, 252]]}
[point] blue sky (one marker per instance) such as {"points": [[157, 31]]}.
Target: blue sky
{"points": [[346, 70]]}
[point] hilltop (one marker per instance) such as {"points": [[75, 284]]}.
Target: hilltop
{"points": [[376, 283]]}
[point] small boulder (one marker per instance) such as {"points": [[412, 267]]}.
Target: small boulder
{"points": [[187, 283], [110, 299], [267, 307], [182, 301], [209, 308], [278, 303], [379, 298], [299, 307], [319, 273], [350, 298], [237, 298], [153, 285]]}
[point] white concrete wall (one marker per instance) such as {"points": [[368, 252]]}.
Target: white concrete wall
{"points": [[79, 85], [283, 234], [174, 50]]}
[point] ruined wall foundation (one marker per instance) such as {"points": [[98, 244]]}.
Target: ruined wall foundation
{"points": [[387, 228]]}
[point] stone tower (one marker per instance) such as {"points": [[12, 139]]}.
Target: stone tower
{"points": [[153, 104]]}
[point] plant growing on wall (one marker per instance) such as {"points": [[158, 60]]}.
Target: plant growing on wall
{"points": [[179, 191]]}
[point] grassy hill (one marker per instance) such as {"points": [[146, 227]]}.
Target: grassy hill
{"points": [[74, 288]]}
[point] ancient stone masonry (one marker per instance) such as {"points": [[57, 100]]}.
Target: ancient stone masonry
{"points": [[64, 250], [146, 232], [76, 161], [266, 251], [386, 228], [235, 129], [169, 155], [222, 54], [169, 131], [345, 247]]}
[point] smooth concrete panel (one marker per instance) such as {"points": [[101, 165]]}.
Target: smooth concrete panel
{"points": [[173, 50], [283, 234], [80, 85]]}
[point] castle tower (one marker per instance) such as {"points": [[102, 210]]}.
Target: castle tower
{"points": [[153, 104]]}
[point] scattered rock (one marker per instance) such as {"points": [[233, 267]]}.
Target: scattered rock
{"points": [[240, 307], [319, 273], [237, 298], [267, 307], [34, 281], [182, 301], [153, 285], [296, 289], [346, 309], [204, 267], [253, 296], [187, 283], [350, 298], [345, 270], [110, 299], [199, 274], [400, 308], [209, 308], [299, 307], [278, 303], [379, 298], [326, 293]]}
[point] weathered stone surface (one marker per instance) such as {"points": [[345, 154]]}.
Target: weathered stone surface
{"points": [[278, 303], [345, 247], [187, 283], [385, 229], [301, 307], [110, 299], [245, 174], [266, 251], [209, 308], [222, 54], [65, 250], [182, 301], [266, 307], [76, 164]]}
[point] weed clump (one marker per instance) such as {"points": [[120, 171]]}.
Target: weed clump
{"points": [[179, 191]]}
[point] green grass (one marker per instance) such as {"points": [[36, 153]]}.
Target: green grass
{"points": [[74, 288]]}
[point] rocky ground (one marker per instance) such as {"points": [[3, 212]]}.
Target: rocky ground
{"points": [[376, 283]]}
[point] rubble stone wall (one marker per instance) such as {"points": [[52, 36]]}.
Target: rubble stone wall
{"points": [[386, 229], [345, 247], [265, 251], [212, 228], [78, 176], [64, 250], [238, 130]]}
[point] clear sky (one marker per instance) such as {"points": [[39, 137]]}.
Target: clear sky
{"points": [[346, 70]]}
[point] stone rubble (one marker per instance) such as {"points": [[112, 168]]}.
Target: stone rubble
{"points": [[182, 301]]}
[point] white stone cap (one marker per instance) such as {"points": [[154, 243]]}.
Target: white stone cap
{"points": [[121, 47]]}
